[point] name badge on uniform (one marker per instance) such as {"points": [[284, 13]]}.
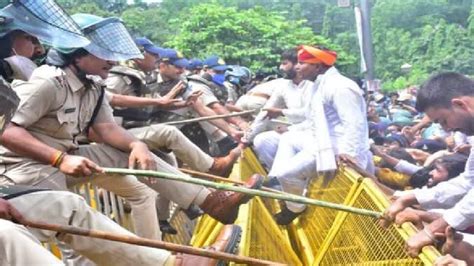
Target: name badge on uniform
{"points": [[70, 110], [127, 80]]}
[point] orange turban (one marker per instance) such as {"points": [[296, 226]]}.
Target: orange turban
{"points": [[312, 55]]}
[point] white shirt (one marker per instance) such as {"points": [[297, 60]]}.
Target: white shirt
{"points": [[292, 98], [345, 111], [456, 195], [267, 87]]}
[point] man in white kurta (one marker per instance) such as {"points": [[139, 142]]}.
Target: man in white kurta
{"points": [[290, 96], [335, 128]]}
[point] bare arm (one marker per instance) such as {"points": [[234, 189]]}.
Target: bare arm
{"points": [[221, 110], [119, 100], [20, 141], [203, 110], [121, 139]]}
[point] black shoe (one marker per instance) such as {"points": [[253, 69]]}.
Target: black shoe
{"points": [[226, 145], [167, 228], [193, 212], [273, 183], [285, 216]]}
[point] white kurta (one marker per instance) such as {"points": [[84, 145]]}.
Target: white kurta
{"points": [[345, 113], [292, 98], [456, 195]]}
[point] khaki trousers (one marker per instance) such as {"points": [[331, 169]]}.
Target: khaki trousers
{"points": [[67, 208], [138, 194], [168, 137]]}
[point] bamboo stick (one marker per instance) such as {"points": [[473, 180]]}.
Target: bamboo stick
{"points": [[134, 240], [254, 192], [207, 118], [223, 179]]}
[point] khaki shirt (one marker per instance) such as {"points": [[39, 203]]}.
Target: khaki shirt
{"points": [[55, 107], [124, 80]]}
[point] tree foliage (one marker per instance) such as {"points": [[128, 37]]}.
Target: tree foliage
{"points": [[431, 35], [254, 37]]}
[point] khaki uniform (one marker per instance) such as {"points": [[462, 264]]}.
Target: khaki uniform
{"points": [[20, 245], [55, 108], [157, 136], [187, 112]]}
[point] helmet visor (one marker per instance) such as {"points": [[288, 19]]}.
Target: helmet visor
{"points": [[45, 20], [110, 40]]}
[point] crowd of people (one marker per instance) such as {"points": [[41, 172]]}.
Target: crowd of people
{"points": [[80, 94]]}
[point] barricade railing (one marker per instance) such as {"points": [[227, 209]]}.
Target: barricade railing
{"points": [[359, 240], [321, 236], [261, 237]]}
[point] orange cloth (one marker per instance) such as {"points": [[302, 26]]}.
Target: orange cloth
{"points": [[312, 55]]}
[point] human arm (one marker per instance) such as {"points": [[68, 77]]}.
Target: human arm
{"points": [[119, 138], [221, 110], [8, 212], [118, 100], [204, 111]]}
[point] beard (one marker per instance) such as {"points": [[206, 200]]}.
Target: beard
{"points": [[467, 128], [291, 74]]}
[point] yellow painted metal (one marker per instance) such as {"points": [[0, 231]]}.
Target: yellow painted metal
{"points": [[321, 236], [359, 240], [261, 237], [310, 231]]}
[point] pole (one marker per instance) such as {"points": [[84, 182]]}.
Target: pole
{"points": [[207, 118], [254, 192], [367, 40], [134, 240], [220, 178]]}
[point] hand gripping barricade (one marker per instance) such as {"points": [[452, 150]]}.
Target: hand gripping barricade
{"points": [[321, 236]]}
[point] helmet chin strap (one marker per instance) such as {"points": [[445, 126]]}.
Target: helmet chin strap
{"points": [[81, 74]]}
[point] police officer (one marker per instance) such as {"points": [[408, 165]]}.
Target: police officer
{"points": [[194, 67], [171, 69], [59, 103], [19, 245], [215, 68], [130, 80]]}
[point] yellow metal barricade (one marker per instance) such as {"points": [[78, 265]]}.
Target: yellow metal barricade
{"points": [[183, 225], [359, 240], [261, 237], [312, 228]]}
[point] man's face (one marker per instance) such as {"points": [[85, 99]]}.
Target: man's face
{"points": [[287, 68], [437, 175], [308, 71], [170, 71], [148, 63], [24, 44], [93, 65], [456, 118]]}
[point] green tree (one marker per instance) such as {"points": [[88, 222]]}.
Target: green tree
{"points": [[253, 37]]}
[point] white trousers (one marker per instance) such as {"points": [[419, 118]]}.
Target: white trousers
{"points": [[20, 246], [295, 164], [265, 146]]}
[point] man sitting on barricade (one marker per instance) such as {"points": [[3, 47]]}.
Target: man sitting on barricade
{"points": [[338, 130], [289, 98]]}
